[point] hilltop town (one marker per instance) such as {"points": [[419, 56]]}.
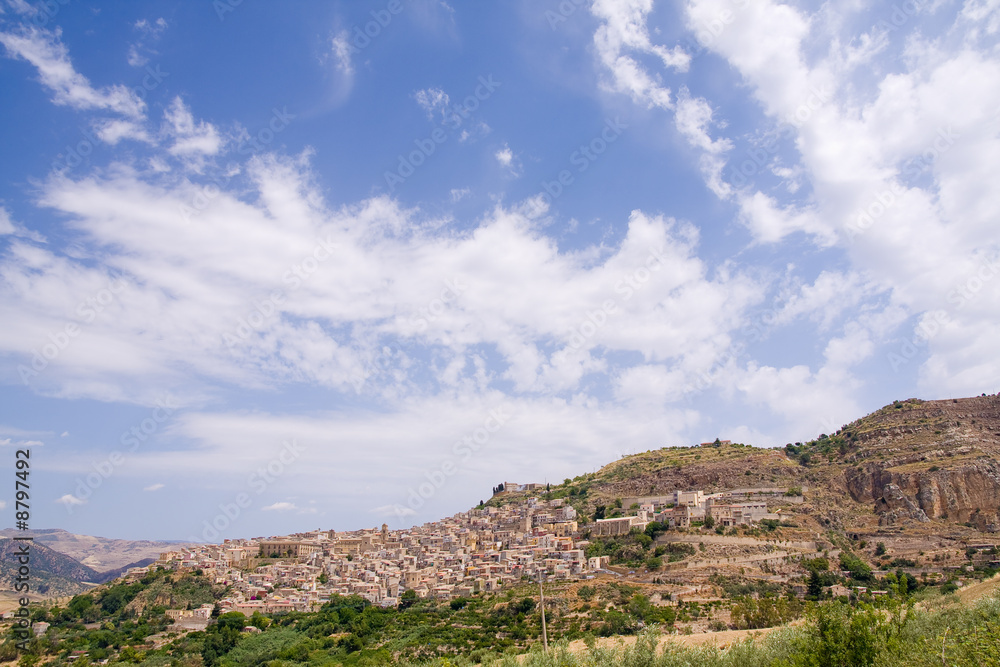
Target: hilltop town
{"points": [[482, 550]]}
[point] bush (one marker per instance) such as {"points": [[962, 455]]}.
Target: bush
{"points": [[858, 568], [748, 613], [770, 524]]}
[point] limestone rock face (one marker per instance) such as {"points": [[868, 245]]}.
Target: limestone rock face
{"points": [[967, 493], [894, 507]]}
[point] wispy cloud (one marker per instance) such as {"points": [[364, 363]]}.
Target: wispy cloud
{"points": [[280, 507], [433, 101], [44, 49]]}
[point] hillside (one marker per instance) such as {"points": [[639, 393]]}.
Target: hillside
{"points": [[53, 574], [64, 564], [920, 477]]}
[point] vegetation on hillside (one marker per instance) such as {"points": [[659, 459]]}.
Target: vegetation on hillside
{"points": [[885, 631]]}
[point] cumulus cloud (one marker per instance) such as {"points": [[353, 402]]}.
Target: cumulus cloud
{"points": [[881, 166], [505, 158], [623, 32]]}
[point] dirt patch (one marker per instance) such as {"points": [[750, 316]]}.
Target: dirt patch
{"points": [[970, 594]]}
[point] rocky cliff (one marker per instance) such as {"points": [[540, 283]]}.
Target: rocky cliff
{"points": [[924, 460], [969, 493]]}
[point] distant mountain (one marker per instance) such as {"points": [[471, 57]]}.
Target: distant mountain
{"points": [[52, 573], [102, 554], [117, 572], [63, 563], [48, 560]]}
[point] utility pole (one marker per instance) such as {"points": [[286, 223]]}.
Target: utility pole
{"points": [[541, 598]]}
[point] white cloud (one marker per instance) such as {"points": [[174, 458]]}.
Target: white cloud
{"points": [[21, 7], [623, 30], [340, 49], [458, 194], [392, 452], [916, 241], [10, 228], [475, 131], [6, 224], [3, 504], [45, 50], [397, 510], [112, 131], [693, 119], [150, 31], [154, 487], [190, 285], [70, 500], [506, 158], [154, 28], [191, 139], [280, 507], [433, 101], [134, 58], [826, 299]]}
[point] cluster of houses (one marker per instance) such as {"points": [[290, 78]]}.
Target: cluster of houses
{"points": [[740, 507], [471, 552], [481, 550]]}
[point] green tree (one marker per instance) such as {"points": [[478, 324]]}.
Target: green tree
{"points": [[222, 637], [814, 589], [843, 636], [407, 599]]}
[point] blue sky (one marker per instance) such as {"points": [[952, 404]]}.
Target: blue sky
{"points": [[267, 268]]}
